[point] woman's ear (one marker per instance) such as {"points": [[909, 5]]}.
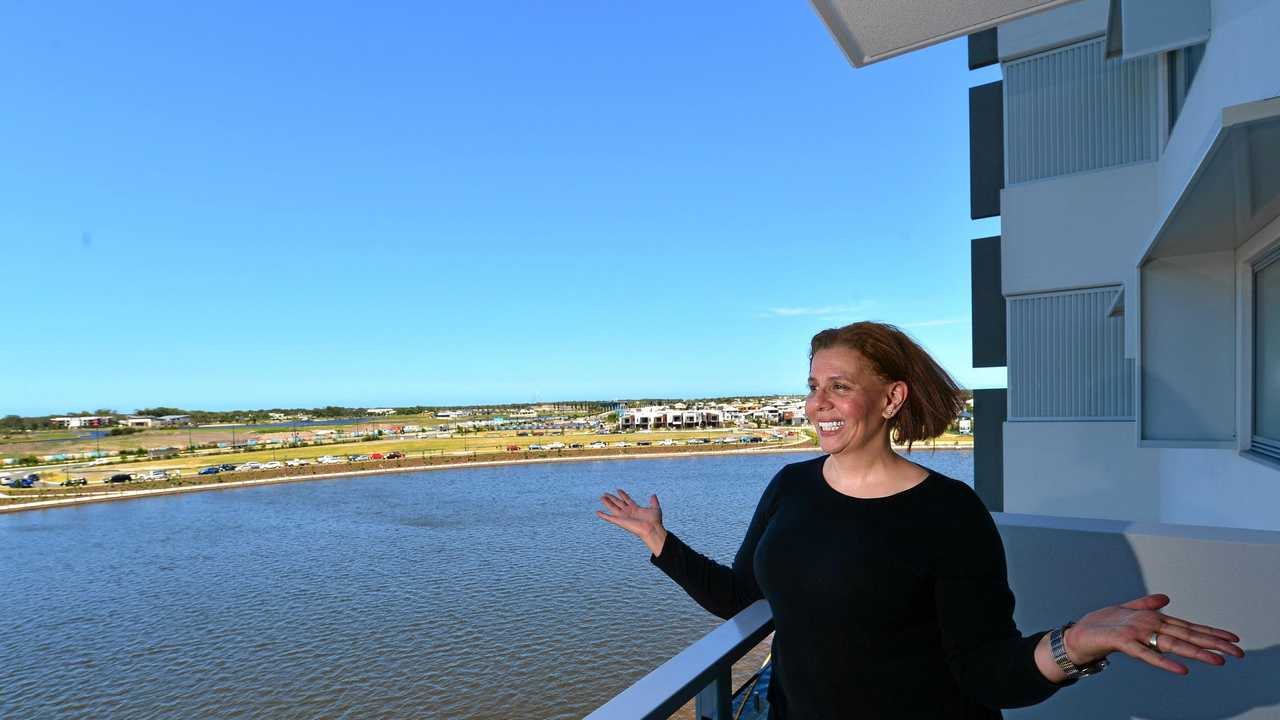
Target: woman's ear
{"points": [[896, 397]]}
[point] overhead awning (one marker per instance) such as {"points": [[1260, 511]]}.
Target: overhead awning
{"points": [[1234, 191], [873, 30]]}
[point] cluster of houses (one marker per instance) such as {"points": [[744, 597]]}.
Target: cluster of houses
{"points": [[779, 411], [134, 421]]}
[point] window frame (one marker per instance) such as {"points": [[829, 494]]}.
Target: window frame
{"points": [[1260, 252]]}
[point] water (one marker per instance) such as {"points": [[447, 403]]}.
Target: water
{"points": [[476, 593]]}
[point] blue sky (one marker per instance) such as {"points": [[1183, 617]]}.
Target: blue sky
{"points": [[297, 204]]}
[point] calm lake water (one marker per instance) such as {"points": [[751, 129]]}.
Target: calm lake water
{"points": [[475, 593]]}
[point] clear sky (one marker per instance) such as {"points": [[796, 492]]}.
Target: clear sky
{"points": [[246, 204]]}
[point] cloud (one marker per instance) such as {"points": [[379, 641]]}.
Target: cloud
{"points": [[824, 311]]}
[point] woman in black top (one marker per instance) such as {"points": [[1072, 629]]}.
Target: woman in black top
{"points": [[887, 582]]}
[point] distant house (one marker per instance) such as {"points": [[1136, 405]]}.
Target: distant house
{"points": [[965, 423], [380, 411], [84, 421], [143, 421]]}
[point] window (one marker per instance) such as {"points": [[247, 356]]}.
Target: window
{"points": [[1266, 356], [1181, 65]]}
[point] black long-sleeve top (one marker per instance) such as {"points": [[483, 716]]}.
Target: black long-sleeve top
{"points": [[893, 607]]}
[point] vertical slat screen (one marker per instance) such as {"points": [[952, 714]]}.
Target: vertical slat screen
{"points": [[1066, 357], [1070, 110]]}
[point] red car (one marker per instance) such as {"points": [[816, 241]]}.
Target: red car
{"points": [[376, 456]]}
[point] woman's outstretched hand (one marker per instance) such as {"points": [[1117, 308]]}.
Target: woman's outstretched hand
{"points": [[643, 522], [1128, 629]]}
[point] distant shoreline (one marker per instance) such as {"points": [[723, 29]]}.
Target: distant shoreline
{"points": [[409, 465]]}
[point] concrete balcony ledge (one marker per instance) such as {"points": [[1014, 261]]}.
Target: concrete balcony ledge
{"points": [[1061, 568]]}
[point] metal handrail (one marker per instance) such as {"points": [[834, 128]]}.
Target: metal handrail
{"points": [[702, 670]]}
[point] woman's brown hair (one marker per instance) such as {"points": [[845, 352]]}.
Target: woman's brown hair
{"points": [[933, 398]]}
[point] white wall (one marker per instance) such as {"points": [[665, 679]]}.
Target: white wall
{"points": [[1076, 230], [1239, 66], [1080, 469], [1217, 487]]}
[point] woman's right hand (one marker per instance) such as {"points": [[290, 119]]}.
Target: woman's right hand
{"points": [[643, 522]]}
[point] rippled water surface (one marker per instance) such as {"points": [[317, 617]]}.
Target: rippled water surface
{"points": [[475, 593]]}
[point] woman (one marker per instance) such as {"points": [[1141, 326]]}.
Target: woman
{"points": [[886, 580]]}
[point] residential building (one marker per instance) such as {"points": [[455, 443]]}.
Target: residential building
{"points": [[83, 421], [1131, 150]]}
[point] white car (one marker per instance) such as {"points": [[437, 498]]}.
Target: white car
{"points": [[622, 443], [667, 443], [274, 464], [328, 460], [556, 446], [297, 462], [251, 465], [597, 445]]}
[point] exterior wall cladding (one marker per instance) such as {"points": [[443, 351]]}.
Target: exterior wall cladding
{"points": [[1090, 171], [1066, 357], [1069, 110]]}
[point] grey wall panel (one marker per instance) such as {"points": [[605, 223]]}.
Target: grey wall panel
{"points": [[1149, 26], [1188, 349], [1070, 110], [986, 149], [987, 302], [1066, 357], [982, 49], [990, 410]]}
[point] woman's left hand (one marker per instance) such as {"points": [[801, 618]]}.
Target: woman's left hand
{"points": [[1128, 628]]}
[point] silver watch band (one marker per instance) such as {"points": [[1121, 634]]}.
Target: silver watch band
{"points": [[1058, 646]]}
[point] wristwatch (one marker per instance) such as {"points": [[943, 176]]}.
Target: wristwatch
{"points": [[1058, 646]]}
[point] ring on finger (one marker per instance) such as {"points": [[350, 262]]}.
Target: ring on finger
{"points": [[1153, 642]]}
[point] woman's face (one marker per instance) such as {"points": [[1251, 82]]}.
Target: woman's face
{"points": [[847, 403]]}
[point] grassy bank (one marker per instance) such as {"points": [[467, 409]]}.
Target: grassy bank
{"points": [[17, 498]]}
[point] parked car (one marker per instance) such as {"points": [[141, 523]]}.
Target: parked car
{"points": [[297, 462], [376, 456], [395, 455], [644, 443], [513, 448], [756, 438], [667, 443], [597, 445], [214, 470], [536, 446], [273, 465], [120, 478], [227, 467], [72, 482], [695, 441], [622, 443], [6, 480], [360, 458], [328, 460], [575, 446], [251, 465]]}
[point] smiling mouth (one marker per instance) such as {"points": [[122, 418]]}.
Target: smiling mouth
{"points": [[830, 425]]}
